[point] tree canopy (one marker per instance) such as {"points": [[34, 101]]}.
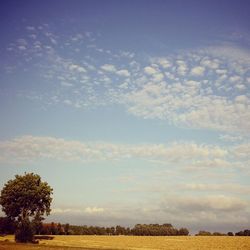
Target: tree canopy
{"points": [[26, 197]]}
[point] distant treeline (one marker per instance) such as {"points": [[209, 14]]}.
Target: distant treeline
{"points": [[246, 232], [139, 229], [7, 226]]}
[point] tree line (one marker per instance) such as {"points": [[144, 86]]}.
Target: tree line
{"points": [[245, 232], [8, 226]]}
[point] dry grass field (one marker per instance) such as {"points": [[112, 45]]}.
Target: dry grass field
{"points": [[132, 243]]}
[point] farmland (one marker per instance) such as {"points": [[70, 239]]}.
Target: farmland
{"points": [[132, 243]]}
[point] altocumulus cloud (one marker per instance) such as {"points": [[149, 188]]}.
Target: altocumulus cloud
{"points": [[30, 148], [203, 88]]}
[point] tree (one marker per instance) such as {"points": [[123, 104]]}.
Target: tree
{"points": [[7, 226], [204, 233], [66, 228], [37, 224], [23, 199], [183, 231]]}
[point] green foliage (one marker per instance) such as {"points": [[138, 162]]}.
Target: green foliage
{"points": [[23, 199], [218, 234], [66, 229], [204, 233], [37, 224], [183, 231], [156, 229], [7, 225], [25, 196], [246, 232], [139, 229]]}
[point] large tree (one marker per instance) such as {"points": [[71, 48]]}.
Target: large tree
{"points": [[23, 199]]}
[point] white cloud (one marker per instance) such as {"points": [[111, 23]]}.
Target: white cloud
{"points": [[209, 164], [123, 72], [66, 84], [31, 148], [163, 62], [230, 138], [182, 67], [185, 106], [150, 70], [221, 71], [210, 203], [240, 87], [212, 64], [93, 210], [72, 211], [242, 150], [108, 68], [162, 90], [158, 77], [235, 79], [229, 188], [78, 68], [242, 99], [198, 71], [230, 52]]}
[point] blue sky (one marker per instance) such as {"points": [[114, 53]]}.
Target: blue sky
{"points": [[133, 111]]}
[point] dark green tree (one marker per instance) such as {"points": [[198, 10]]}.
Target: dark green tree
{"points": [[7, 225], [66, 228], [23, 199], [183, 231]]}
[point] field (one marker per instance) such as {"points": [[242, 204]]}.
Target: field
{"points": [[131, 243]]}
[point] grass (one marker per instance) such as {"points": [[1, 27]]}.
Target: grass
{"points": [[132, 243]]}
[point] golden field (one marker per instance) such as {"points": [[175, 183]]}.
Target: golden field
{"points": [[132, 243]]}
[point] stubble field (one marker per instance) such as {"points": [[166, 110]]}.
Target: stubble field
{"points": [[132, 243]]}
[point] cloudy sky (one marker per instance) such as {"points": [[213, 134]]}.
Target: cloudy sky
{"points": [[133, 111]]}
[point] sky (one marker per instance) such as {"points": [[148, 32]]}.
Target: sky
{"points": [[132, 111]]}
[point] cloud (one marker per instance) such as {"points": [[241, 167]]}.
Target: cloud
{"points": [[242, 151], [93, 210], [78, 68], [123, 72], [198, 71], [163, 62], [229, 51], [66, 84], [72, 211], [150, 70], [185, 105], [209, 164], [210, 203], [32, 148], [230, 138], [163, 89], [229, 188], [108, 67], [212, 64], [235, 79]]}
